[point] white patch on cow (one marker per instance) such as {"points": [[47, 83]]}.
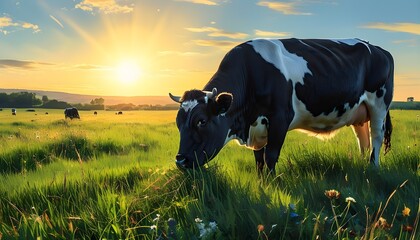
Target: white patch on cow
{"points": [[377, 111], [322, 126], [257, 137], [258, 134], [351, 42], [189, 105], [292, 66]]}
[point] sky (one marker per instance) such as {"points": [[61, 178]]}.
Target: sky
{"points": [[152, 47]]}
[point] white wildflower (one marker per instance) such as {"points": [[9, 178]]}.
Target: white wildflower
{"points": [[350, 199], [272, 227], [156, 218]]}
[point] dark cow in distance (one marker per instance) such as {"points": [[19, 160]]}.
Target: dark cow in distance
{"points": [[263, 88], [71, 113]]}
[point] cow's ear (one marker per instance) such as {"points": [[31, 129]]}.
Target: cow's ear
{"points": [[223, 102]]}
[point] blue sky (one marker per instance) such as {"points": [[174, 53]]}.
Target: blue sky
{"points": [[84, 46]]}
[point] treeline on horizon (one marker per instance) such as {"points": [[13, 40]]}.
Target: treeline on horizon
{"points": [[405, 105], [30, 100]]}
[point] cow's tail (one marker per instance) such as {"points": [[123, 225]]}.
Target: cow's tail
{"points": [[388, 132]]}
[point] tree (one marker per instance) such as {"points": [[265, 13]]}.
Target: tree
{"points": [[97, 101], [56, 104], [4, 100], [45, 99], [23, 99]]}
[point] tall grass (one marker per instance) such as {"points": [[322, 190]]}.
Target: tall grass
{"points": [[113, 177]]}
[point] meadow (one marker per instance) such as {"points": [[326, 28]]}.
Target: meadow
{"points": [[113, 177]]}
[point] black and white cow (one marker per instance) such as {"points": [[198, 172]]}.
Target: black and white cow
{"points": [[71, 113], [264, 88]]}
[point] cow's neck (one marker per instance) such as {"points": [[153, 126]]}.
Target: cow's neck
{"points": [[233, 82]]}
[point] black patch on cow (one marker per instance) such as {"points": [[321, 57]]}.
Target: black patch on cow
{"points": [[338, 74], [381, 74], [193, 94], [264, 121], [388, 133], [379, 93]]}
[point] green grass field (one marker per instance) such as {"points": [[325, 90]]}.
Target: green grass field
{"points": [[113, 177]]}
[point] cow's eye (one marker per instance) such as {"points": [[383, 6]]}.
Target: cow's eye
{"points": [[201, 123]]}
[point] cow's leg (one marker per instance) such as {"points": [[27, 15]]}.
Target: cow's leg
{"points": [[276, 135], [363, 136], [259, 159], [377, 132]]}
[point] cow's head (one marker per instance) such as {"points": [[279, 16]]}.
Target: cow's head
{"points": [[202, 125]]}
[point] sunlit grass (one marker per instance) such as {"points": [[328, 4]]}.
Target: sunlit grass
{"points": [[113, 176]]}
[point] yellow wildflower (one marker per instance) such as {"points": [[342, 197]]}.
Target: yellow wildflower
{"points": [[406, 211], [332, 194]]}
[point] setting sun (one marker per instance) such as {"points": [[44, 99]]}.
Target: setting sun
{"points": [[128, 72]]}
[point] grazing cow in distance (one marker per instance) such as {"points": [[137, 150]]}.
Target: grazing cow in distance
{"points": [[95, 113], [14, 111], [265, 87], [71, 113], [120, 113]]}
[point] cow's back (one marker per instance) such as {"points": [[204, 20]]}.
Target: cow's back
{"points": [[324, 73], [329, 78]]}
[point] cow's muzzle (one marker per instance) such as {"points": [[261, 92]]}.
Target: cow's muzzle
{"points": [[181, 161]]}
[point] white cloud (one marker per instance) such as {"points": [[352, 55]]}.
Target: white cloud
{"points": [[202, 29], [232, 35], [412, 28], [34, 27], [106, 6], [216, 32], [287, 8], [262, 33], [215, 43], [204, 2], [7, 24]]}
